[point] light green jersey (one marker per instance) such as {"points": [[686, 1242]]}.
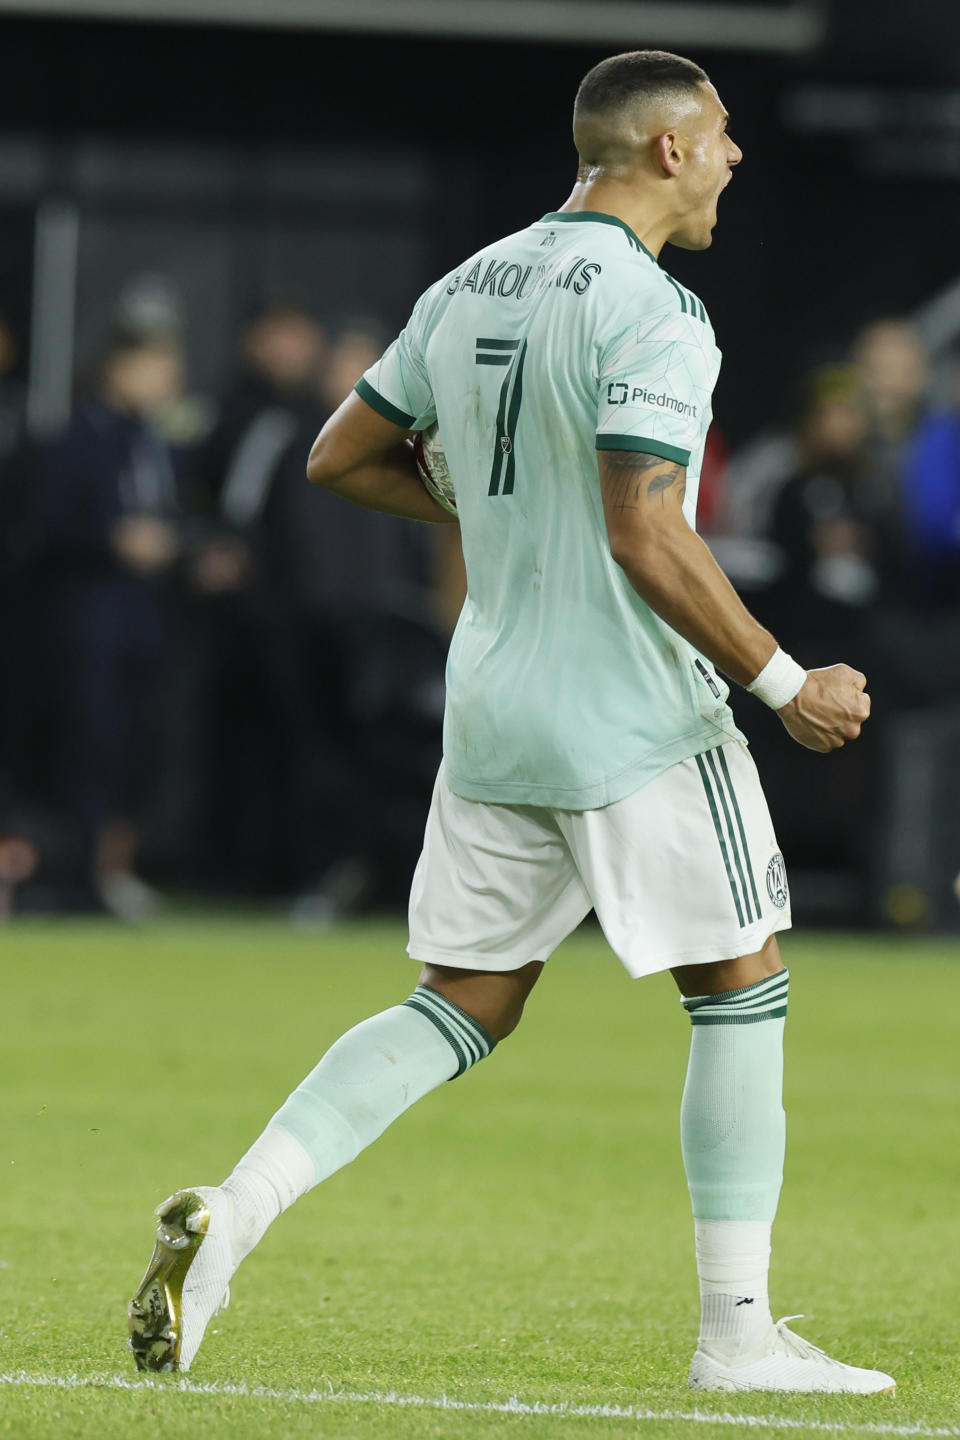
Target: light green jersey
{"points": [[564, 688]]}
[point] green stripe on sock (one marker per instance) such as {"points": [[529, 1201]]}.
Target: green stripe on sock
{"points": [[766, 1000], [462, 1062], [751, 1019], [737, 1007], [466, 1038], [483, 1037], [758, 993], [770, 997], [759, 989], [469, 1041]]}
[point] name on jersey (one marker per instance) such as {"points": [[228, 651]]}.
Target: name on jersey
{"points": [[619, 393], [505, 278]]}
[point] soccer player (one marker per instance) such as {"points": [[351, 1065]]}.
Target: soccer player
{"points": [[590, 756]]}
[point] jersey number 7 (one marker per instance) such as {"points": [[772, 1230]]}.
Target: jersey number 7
{"points": [[509, 353]]}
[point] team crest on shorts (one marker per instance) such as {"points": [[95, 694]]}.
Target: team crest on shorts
{"points": [[777, 881]]}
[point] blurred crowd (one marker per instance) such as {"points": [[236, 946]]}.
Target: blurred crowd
{"points": [[220, 681], [216, 679], [841, 529]]}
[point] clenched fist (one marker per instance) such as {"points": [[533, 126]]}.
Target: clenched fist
{"points": [[829, 709]]}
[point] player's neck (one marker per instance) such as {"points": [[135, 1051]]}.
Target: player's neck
{"points": [[610, 197]]}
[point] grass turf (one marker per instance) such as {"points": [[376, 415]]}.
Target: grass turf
{"points": [[524, 1232]]}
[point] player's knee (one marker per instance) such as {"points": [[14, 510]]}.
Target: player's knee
{"points": [[492, 999], [507, 1020], [724, 975]]}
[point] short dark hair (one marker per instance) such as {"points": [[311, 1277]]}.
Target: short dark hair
{"points": [[635, 75], [124, 337]]}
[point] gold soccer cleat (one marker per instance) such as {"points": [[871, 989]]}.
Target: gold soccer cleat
{"points": [[156, 1312]]}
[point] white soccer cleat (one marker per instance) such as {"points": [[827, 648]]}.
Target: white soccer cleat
{"points": [[788, 1363], [187, 1280]]}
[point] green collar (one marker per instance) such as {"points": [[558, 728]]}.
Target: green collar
{"points": [[598, 215]]}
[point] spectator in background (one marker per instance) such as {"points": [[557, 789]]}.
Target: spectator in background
{"points": [[869, 528], [276, 392], [18, 854], [931, 507], [316, 654], [377, 599], [246, 809], [12, 393], [913, 462], [913, 639], [826, 522], [893, 373], [869, 516], [848, 520], [105, 525], [341, 562], [829, 576], [890, 364], [753, 476], [712, 495], [349, 355], [11, 542]]}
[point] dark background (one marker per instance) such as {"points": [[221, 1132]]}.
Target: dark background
{"points": [[444, 143]]}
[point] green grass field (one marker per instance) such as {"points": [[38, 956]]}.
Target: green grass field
{"points": [[520, 1239]]}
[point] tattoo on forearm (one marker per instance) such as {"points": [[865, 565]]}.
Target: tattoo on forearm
{"points": [[631, 477]]}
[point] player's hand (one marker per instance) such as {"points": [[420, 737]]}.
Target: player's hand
{"points": [[829, 709]]}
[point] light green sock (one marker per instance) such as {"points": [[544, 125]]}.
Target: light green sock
{"points": [[733, 1134], [732, 1125], [363, 1083]]}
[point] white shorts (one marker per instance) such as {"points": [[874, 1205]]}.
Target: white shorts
{"points": [[685, 871]]}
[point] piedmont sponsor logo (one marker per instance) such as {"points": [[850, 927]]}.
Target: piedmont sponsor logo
{"points": [[619, 393]]}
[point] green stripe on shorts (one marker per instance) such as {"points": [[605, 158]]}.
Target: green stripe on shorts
{"points": [[743, 837], [710, 758], [718, 826]]}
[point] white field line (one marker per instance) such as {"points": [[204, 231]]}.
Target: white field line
{"points": [[513, 1406]]}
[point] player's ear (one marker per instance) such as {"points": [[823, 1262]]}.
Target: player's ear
{"points": [[667, 152]]}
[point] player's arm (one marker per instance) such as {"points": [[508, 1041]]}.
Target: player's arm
{"points": [[368, 459], [672, 569]]}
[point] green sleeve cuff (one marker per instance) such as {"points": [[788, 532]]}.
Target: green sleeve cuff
{"points": [[383, 407], [648, 447]]}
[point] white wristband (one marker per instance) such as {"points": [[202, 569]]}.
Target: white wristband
{"points": [[779, 680]]}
